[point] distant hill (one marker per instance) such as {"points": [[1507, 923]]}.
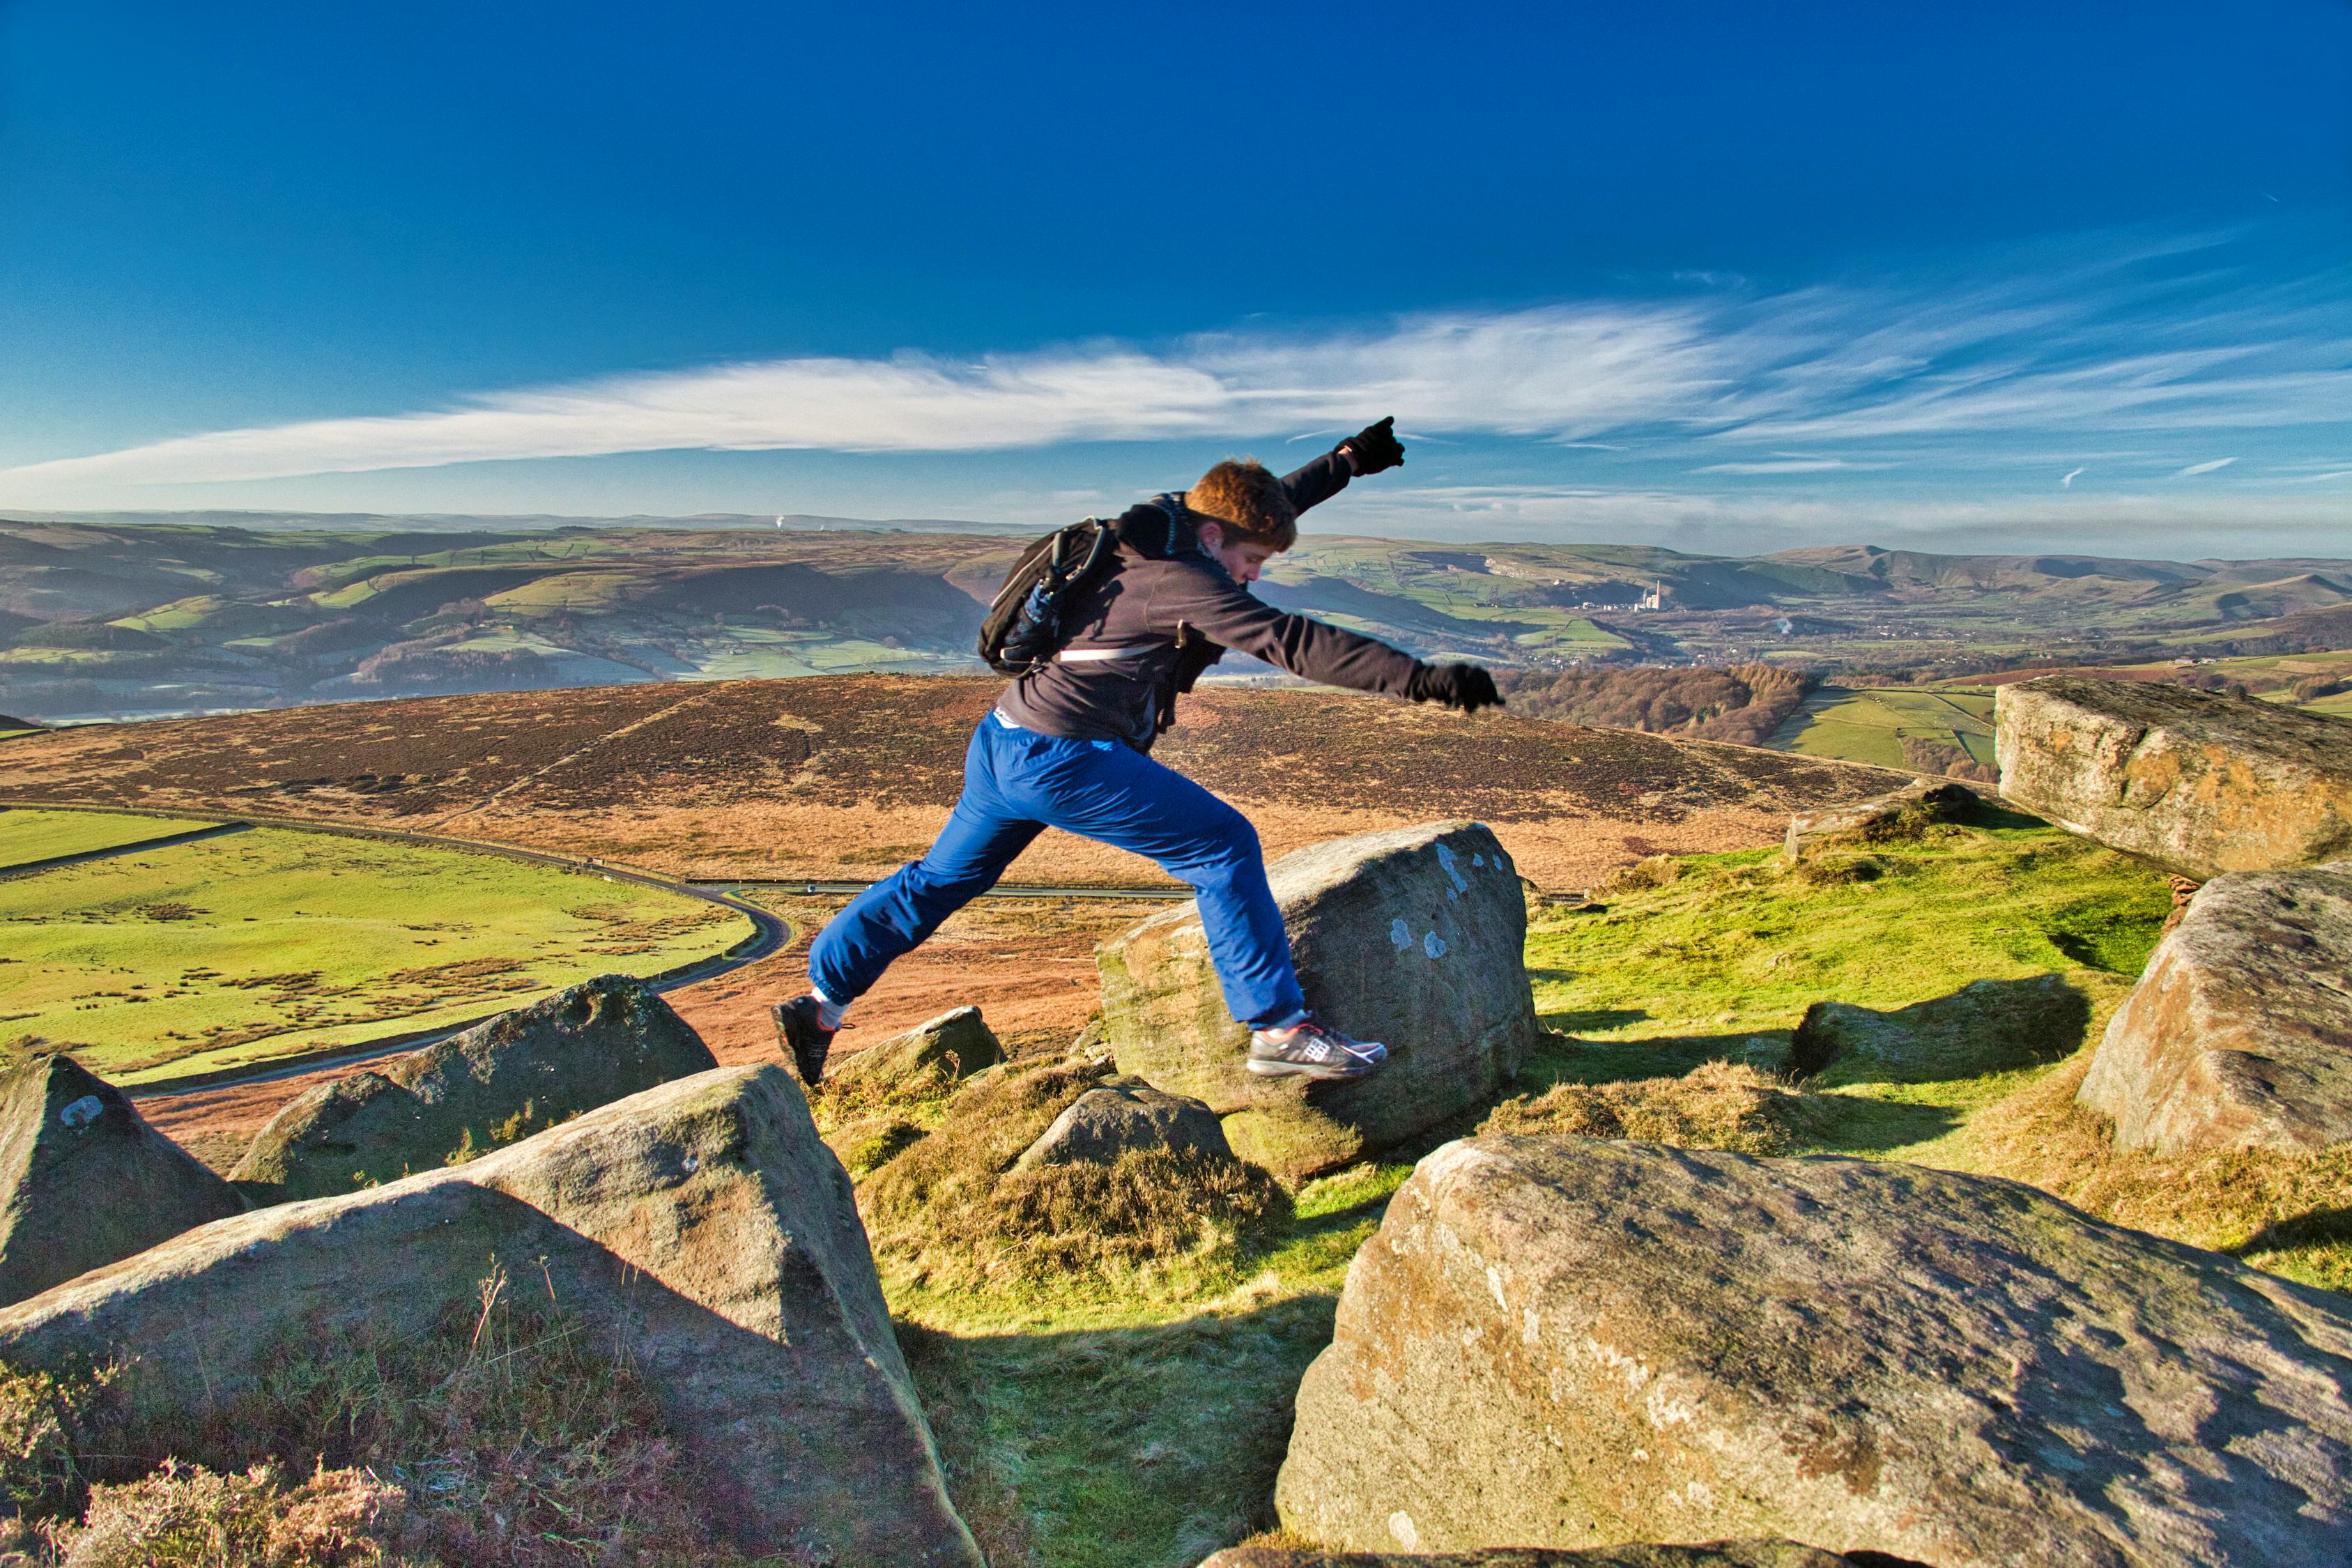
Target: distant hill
{"points": [[102, 618]]}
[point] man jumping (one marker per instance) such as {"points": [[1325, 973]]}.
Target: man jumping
{"points": [[1068, 746]]}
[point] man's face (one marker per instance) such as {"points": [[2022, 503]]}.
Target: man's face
{"points": [[1243, 560]]}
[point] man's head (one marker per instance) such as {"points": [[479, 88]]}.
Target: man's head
{"points": [[1245, 516]]}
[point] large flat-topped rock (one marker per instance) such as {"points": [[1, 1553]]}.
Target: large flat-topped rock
{"points": [[1566, 1342], [700, 1228], [1414, 937], [84, 1180], [520, 1073], [2240, 1032], [2199, 782]]}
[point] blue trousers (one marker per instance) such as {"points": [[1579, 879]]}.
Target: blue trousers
{"points": [[1017, 783]]}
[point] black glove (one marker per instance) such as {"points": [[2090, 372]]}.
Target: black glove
{"points": [[1463, 686], [1374, 447]]}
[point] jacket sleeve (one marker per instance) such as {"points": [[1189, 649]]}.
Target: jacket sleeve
{"points": [[1204, 599], [1319, 482]]}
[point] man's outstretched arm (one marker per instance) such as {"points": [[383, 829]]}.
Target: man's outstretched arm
{"points": [[1369, 450], [1229, 615]]}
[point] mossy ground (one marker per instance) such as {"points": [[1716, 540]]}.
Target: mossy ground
{"points": [[1090, 1419]]}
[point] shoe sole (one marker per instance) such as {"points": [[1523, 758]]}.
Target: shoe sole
{"points": [[790, 1049], [1304, 1069]]}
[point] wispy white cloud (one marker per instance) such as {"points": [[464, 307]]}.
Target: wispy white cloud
{"points": [[1559, 372], [1789, 466], [2068, 482], [2213, 466], [2169, 527], [1944, 375]]}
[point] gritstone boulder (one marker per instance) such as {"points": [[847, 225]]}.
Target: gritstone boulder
{"points": [[1121, 1117], [952, 1046], [2239, 1034], [1987, 1025], [1567, 1343], [1887, 817], [501, 1081], [700, 1228], [1413, 937], [86, 1181], [2199, 782]]}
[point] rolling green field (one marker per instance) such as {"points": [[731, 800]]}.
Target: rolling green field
{"points": [[1947, 725], [29, 835], [269, 943]]}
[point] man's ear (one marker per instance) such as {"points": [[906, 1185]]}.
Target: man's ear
{"points": [[1212, 536]]}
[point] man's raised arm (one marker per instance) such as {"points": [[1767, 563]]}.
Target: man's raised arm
{"points": [[1369, 450]]}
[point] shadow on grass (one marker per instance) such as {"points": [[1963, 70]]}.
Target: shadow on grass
{"points": [[1851, 1124], [1149, 1447], [1567, 1060], [1592, 1019], [2316, 1228]]}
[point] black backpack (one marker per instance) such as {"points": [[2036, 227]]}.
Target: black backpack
{"points": [[1022, 629]]}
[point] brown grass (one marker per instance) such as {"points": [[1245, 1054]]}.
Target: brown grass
{"points": [[1650, 871], [185, 1516], [1718, 1105], [505, 1438], [836, 777], [2289, 1214]]}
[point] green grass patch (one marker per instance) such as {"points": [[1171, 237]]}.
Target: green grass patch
{"points": [[27, 835], [246, 948], [1741, 943], [1878, 744]]}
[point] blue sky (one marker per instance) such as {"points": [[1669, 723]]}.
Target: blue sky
{"points": [[1728, 277]]}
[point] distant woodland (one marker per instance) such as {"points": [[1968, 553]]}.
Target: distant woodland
{"points": [[1744, 703]]}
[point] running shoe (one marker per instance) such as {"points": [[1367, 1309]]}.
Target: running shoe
{"points": [[800, 1034], [1312, 1051]]}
